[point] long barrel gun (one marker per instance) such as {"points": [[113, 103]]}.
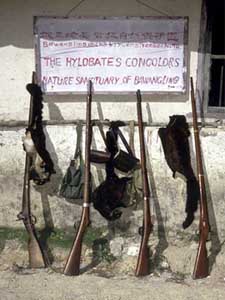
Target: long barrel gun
{"points": [[36, 254], [201, 268], [72, 266], [142, 267]]}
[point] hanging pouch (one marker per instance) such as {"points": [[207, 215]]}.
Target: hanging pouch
{"points": [[124, 161], [72, 186]]}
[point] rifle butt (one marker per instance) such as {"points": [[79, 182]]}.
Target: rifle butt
{"points": [[72, 267], [142, 268], [36, 256], [201, 269]]}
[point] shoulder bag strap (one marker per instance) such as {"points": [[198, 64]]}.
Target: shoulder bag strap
{"points": [[124, 142], [78, 151]]}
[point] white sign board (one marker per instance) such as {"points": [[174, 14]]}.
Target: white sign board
{"points": [[119, 55]]}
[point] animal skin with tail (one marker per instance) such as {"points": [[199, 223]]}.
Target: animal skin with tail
{"points": [[176, 149]]}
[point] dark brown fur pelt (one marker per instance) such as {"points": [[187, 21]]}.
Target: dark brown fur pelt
{"points": [[42, 165], [176, 149]]}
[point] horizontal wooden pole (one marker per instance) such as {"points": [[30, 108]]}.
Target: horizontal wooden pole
{"points": [[11, 124]]}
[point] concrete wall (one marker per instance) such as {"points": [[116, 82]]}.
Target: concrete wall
{"points": [[17, 64]]}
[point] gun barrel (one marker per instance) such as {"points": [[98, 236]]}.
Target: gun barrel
{"points": [[201, 268], [72, 266], [88, 137], [142, 267]]}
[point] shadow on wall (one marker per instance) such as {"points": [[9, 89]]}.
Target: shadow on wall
{"points": [[215, 242], [162, 240], [50, 188]]}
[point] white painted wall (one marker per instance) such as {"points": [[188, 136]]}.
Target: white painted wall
{"points": [[17, 55], [17, 64]]}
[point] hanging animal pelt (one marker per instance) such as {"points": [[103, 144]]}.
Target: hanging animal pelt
{"points": [[109, 196], [176, 149], [34, 141]]}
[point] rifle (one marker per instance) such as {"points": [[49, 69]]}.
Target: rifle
{"points": [[142, 267], [72, 266], [36, 255], [201, 268]]}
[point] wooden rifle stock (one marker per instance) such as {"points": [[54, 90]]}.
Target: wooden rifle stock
{"points": [[142, 267], [36, 256], [72, 266], [201, 268]]}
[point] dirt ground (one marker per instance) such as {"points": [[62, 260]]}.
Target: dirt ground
{"points": [[46, 285], [114, 281]]}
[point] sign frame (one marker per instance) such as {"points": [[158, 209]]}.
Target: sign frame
{"points": [[185, 19]]}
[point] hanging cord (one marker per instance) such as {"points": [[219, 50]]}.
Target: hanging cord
{"points": [[73, 8], [138, 1], [152, 8]]}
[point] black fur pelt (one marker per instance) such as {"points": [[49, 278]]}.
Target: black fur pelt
{"points": [[111, 144], [109, 195], [176, 149], [42, 164]]}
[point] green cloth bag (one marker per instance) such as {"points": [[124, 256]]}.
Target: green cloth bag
{"points": [[72, 186]]}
